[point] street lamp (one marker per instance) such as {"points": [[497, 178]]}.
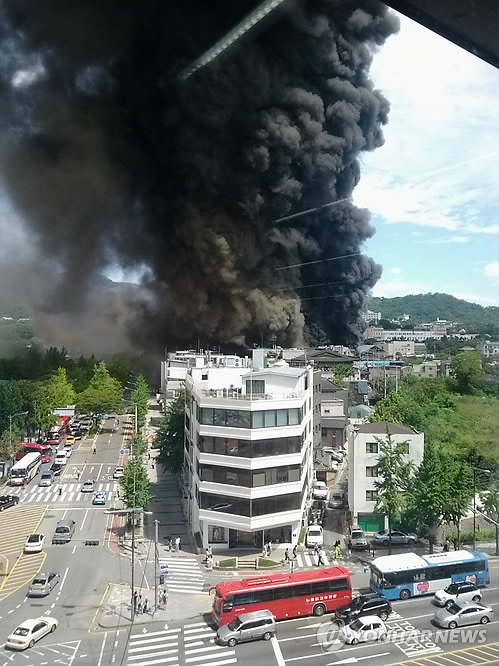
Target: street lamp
{"points": [[13, 416], [475, 470]]}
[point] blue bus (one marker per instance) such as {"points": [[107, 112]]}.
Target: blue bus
{"points": [[409, 575]]}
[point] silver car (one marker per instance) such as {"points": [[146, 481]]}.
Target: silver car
{"points": [[43, 584], [457, 615], [46, 479], [247, 627], [398, 537]]}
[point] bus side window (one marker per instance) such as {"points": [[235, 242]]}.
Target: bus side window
{"points": [[244, 598], [419, 576], [228, 604], [339, 584]]}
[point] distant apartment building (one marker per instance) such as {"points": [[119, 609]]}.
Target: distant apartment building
{"points": [[399, 348], [489, 349], [369, 316], [334, 414], [363, 451], [426, 370], [249, 440]]}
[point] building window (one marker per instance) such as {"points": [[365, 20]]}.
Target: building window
{"points": [[216, 534], [243, 448], [247, 479], [371, 447], [372, 471], [371, 496], [255, 387], [404, 447]]}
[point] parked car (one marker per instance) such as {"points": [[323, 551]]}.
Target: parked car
{"points": [[7, 501], [99, 498], [336, 499], [56, 469], [88, 487], [34, 543], [357, 539], [30, 631], [363, 630], [382, 538], [317, 512], [458, 593], [365, 604], [46, 479], [456, 615], [118, 473], [247, 627], [315, 536], [319, 490], [43, 584]]}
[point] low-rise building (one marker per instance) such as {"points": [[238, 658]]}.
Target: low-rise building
{"points": [[489, 349], [363, 452], [399, 348]]}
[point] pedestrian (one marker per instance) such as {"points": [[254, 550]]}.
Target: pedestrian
{"points": [[209, 554], [145, 608], [177, 544], [446, 546], [294, 551], [164, 598], [135, 598], [316, 549], [269, 546], [78, 474], [286, 555], [140, 608], [60, 490], [148, 455], [455, 543], [320, 561], [170, 544], [265, 550], [373, 550], [337, 551]]}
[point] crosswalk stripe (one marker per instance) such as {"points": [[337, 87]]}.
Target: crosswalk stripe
{"points": [[157, 633], [143, 648], [194, 624], [159, 661], [203, 649], [225, 653], [152, 654]]}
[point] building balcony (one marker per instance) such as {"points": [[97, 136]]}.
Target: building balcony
{"points": [[272, 490], [237, 395]]}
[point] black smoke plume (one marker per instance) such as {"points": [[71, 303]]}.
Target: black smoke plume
{"points": [[110, 158]]}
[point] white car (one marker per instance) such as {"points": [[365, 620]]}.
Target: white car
{"points": [[29, 632], [68, 450], [34, 543], [363, 630], [458, 592], [319, 490], [315, 536], [118, 473], [88, 487]]}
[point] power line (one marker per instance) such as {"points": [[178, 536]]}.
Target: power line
{"points": [[308, 286], [318, 261], [311, 210]]}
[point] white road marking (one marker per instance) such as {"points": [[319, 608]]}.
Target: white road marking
{"points": [[102, 649], [84, 519]]}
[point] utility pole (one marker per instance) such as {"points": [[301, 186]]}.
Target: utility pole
{"points": [[133, 518], [156, 563]]}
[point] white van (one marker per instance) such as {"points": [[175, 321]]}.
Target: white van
{"points": [[61, 458], [315, 536]]}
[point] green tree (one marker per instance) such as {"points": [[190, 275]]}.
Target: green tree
{"points": [[8, 446], [459, 492], [170, 435], [394, 474], [59, 391], [119, 368], [140, 398], [103, 394], [490, 505], [467, 370], [400, 407], [341, 371], [135, 484], [429, 493]]}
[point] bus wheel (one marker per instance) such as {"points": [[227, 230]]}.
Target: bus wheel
{"points": [[319, 610], [231, 642], [405, 594], [267, 636]]}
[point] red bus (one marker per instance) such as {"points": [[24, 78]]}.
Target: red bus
{"points": [[285, 595], [29, 447], [57, 432]]}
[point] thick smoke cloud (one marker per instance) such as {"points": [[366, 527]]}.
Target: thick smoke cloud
{"points": [[109, 158]]}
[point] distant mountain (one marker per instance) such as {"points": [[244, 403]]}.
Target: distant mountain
{"points": [[428, 307]]}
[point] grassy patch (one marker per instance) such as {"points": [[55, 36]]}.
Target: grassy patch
{"points": [[229, 563], [266, 562], [93, 430]]}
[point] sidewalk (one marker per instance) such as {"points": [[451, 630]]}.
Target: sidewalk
{"points": [[115, 610]]}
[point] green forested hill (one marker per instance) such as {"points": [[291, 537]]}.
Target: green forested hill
{"points": [[427, 307]]}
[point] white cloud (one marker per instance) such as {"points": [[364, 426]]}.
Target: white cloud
{"points": [[492, 269], [395, 270], [473, 298], [391, 288], [450, 239]]}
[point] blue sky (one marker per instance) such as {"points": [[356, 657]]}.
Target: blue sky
{"points": [[433, 188]]}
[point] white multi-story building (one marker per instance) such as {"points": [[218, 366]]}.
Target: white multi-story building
{"points": [[363, 451], [489, 349], [249, 453]]}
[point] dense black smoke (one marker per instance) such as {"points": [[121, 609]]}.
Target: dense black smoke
{"points": [[109, 157]]}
